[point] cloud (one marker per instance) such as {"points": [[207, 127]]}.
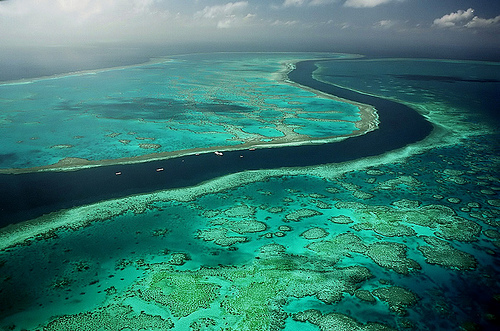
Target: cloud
{"points": [[226, 15], [299, 3], [284, 23], [73, 21], [459, 18], [222, 10], [385, 24], [321, 2], [366, 3], [466, 19], [293, 3], [481, 23]]}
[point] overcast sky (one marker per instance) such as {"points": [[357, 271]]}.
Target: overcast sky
{"points": [[421, 23]]}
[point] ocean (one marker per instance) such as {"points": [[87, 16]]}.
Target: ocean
{"points": [[313, 216]]}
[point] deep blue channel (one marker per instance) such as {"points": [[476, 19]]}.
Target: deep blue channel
{"points": [[26, 196]]}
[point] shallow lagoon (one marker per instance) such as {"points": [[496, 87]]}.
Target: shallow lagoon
{"points": [[175, 106], [408, 239]]}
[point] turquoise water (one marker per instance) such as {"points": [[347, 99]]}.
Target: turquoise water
{"points": [[180, 104], [406, 240]]}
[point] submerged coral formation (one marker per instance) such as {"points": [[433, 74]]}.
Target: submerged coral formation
{"points": [[110, 318], [248, 298], [314, 233], [218, 103], [336, 321], [406, 240], [443, 253], [397, 297]]}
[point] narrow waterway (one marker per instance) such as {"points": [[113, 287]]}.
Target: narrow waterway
{"points": [[26, 196]]}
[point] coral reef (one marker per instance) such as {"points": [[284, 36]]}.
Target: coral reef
{"points": [[397, 297], [109, 318], [337, 321], [442, 253], [314, 233], [297, 215]]}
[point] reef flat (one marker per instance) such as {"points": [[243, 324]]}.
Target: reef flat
{"points": [[182, 106], [283, 244], [403, 240]]}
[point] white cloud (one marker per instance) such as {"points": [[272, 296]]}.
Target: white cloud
{"points": [[466, 19], [73, 21], [225, 23], [70, 22], [293, 3], [321, 2], [459, 18], [482, 23], [344, 26], [299, 3], [227, 15], [284, 23], [385, 24], [366, 3], [222, 10]]}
